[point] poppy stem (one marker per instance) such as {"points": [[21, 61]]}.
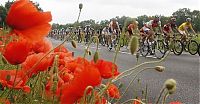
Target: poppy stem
{"points": [[161, 92], [132, 81], [165, 97], [88, 46], [131, 70]]}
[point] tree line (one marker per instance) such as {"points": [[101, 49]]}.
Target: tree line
{"points": [[180, 15]]}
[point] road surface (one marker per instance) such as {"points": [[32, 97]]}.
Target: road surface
{"points": [[184, 69]]}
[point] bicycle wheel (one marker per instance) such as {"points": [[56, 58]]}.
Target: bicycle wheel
{"points": [[144, 48], [177, 47], [193, 47], [159, 49]]}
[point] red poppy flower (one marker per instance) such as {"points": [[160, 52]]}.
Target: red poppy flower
{"points": [[4, 101], [43, 46], [17, 51], [29, 64], [106, 68], [25, 20], [85, 74], [113, 91], [66, 76], [7, 78], [60, 49]]}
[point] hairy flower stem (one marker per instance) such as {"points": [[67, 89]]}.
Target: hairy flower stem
{"points": [[84, 100], [165, 97], [161, 92], [10, 92], [79, 15], [88, 46], [131, 70], [133, 80], [146, 94], [34, 86]]}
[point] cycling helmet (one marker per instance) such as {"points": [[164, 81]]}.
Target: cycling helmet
{"points": [[136, 22], [188, 19], [114, 19], [173, 19], [157, 17]]}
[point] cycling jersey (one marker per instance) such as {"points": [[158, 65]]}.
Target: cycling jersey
{"points": [[131, 26], [144, 29], [185, 25], [153, 24], [114, 27]]}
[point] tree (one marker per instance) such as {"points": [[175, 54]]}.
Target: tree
{"points": [[184, 13]]}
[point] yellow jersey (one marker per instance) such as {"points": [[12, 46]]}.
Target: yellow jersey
{"points": [[185, 25]]}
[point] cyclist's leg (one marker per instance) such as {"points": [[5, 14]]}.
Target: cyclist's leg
{"points": [[183, 35]]}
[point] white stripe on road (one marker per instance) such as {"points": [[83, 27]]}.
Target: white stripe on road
{"points": [[135, 54]]}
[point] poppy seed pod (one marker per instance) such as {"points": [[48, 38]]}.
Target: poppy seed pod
{"points": [[170, 84], [160, 68], [80, 6], [96, 56], [133, 44]]}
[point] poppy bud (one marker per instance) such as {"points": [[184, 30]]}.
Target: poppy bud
{"points": [[172, 90], [160, 68], [73, 43], [170, 84], [89, 53], [133, 44], [80, 6], [96, 56]]}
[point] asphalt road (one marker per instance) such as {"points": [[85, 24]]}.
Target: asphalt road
{"points": [[184, 69]]}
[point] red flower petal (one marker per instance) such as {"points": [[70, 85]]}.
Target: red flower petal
{"points": [[113, 91], [43, 46], [17, 51], [31, 61], [85, 75], [27, 21], [106, 68]]}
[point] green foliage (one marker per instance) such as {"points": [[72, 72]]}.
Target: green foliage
{"points": [[184, 13]]}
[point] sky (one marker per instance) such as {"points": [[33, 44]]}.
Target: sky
{"points": [[66, 11]]}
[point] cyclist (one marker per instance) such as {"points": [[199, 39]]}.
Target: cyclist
{"points": [[87, 33], [145, 32], [183, 29], [132, 28], [148, 30], [169, 27], [104, 34], [114, 31], [79, 34]]}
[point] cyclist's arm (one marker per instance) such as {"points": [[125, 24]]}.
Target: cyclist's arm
{"points": [[192, 29], [160, 27]]}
